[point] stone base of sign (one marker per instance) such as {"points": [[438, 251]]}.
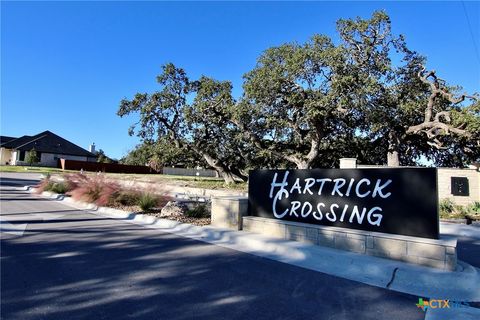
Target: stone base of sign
{"points": [[227, 211], [441, 254]]}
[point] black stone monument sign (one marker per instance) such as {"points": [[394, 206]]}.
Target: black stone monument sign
{"points": [[400, 201]]}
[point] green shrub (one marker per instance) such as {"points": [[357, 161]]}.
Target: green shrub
{"points": [[474, 208], [31, 157], [200, 211], [126, 198], [460, 210], [47, 185], [446, 206], [449, 210], [146, 202], [58, 187], [473, 211]]}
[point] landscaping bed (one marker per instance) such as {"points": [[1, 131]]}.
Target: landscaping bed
{"points": [[451, 212], [102, 192], [184, 219]]}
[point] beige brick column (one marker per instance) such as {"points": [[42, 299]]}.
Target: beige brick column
{"points": [[348, 163], [227, 211]]}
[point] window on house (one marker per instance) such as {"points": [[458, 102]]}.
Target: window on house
{"points": [[21, 156]]}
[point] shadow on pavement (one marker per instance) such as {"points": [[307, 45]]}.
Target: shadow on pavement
{"points": [[468, 250], [26, 199], [12, 182], [113, 270], [38, 212]]}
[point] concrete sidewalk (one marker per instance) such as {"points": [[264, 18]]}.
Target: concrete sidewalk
{"points": [[461, 285], [460, 230]]}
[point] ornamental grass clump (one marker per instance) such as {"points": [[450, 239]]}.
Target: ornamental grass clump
{"points": [[43, 185], [474, 208], [199, 211], [449, 210], [474, 211], [92, 188], [446, 206], [147, 202], [57, 187], [125, 198]]}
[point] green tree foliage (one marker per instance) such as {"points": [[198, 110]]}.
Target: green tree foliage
{"points": [[198, 126], [306, 105], [406, 109], [163, 152], [31, 157], [139, 156], [300, 102], [102, 157]]}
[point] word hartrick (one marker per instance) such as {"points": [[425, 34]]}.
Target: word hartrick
{"points": [[333, 187]]}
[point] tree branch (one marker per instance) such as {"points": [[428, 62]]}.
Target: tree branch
{"points": [[436, 127]]}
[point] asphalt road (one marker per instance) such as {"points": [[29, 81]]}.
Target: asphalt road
{"points": [[468, 250], [69, 264]]}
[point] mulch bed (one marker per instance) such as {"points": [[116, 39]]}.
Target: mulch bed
{"points": [[156, 213], [183, 219]]}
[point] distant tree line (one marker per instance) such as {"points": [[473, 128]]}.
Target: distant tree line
{"points": [[103, 158], [305, 105]]}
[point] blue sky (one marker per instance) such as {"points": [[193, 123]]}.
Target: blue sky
{"points": [[65, 66]]}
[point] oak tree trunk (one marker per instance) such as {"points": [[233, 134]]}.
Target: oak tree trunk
{"points": [[227, 176], [301, 164], [393, 157], [216, 164]]}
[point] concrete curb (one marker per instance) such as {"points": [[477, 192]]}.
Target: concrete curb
{"points": [[460, 285], [460, 221]]}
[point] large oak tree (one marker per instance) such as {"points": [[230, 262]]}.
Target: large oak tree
{"points": [[196, 125], [405, 108], [306, 105], [298, 102]]}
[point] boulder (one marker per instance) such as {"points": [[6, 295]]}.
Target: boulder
{"points": [[174, 208]]}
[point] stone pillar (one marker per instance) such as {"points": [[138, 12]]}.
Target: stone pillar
{"points": [[227, 211], [348, 163]]}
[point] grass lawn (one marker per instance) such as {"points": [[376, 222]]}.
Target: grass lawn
{"points": [[32, 169], [196, 182]]}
